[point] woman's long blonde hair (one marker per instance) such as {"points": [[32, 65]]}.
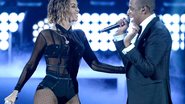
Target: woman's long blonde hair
{"points": [[58, 10]]}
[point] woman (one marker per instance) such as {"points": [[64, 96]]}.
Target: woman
{"points": [[62, 48]]}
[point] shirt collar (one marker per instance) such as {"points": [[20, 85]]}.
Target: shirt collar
{"points": [[147, 21], [62, 29]]}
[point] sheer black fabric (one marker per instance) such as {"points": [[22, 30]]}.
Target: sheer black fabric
{"points": [[63, 50]]}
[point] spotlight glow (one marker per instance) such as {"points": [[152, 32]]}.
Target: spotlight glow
{"points": [[21, 17], [4, 26], [91, 24], [4, 17], [4, 36], [176, 18], [175, 46], [4, 45], [182, 28], [103, 17], [167, 18], [13, 17], [183, 18], [13, 27], [35, 27], [182, 45], [41, 24]]}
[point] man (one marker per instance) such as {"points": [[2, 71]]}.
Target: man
{"points": [[147, 60]]}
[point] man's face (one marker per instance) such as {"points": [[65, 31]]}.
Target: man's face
{"points": [[134, 11]]}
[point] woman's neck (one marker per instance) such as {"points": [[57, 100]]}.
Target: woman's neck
{"points": [[65, 24]]}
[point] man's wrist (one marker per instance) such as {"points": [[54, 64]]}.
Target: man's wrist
{"points": [[119, 37], [127, 44], [127, 49]]}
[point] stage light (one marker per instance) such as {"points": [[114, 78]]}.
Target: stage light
{"points": [[85, 18], [104, 46], [182, 45], [103, 18], [40, 29], [21, 17], [35, 27], [175, 28], [34, 39], [96, 22], [167, 19], [4, 45], [122, 15], [41, 24], [111, 46], [35, 33], [103, 37], [46, 27], [182, 36], [29, 3], [4, 17], [113, 18], [182, 41], [13, 27], [77, 26], [182, 28], [95, 38], [13, 17], [95, 27], [4, 26], [175, 18], [169, 27], [160, 16], [87, 27], [4, 36], [102, 3], [46, 21], [175, 36], [175, 45], [95, 18], [8, 24], [94, 45], [182, 18]]}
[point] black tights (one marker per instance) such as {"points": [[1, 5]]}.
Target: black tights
{"points": [[46, 96]]}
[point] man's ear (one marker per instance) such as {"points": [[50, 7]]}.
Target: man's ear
{"points": [[144, 9]]}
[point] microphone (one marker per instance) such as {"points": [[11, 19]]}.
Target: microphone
{"points": [[116, 25]]}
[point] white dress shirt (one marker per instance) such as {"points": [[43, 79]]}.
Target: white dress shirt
{"points": [[143, 24]]}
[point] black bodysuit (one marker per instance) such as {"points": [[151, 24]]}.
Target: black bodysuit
{"points": [[63, 50]]}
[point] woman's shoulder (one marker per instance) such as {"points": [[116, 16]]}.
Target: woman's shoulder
{"points": [[46, 32], [80, 33]]}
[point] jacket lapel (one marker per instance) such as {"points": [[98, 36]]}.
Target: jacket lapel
{"points": [[146, 30]]}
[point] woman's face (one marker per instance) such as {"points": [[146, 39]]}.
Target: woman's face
{"points": [[74, 11]]}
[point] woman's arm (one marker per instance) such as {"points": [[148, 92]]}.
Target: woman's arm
{"points": [[94, 63], [29, 68], [31, 65]]}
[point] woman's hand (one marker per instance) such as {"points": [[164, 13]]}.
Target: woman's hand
{"points": [[11, 98]]}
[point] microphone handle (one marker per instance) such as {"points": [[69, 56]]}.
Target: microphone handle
{"points": [[110, 27]]}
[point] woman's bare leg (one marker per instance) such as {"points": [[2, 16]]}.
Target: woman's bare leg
{"points": [[45, 96], [74, 100]]}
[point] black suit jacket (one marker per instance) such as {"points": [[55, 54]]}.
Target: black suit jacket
{"points": [[147, 65]]}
